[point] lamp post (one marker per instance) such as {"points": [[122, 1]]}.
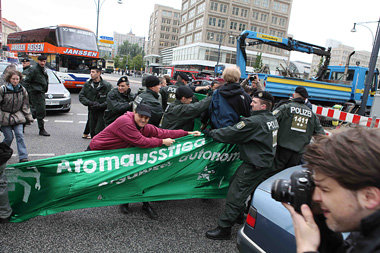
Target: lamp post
{"points": [[372, 64], [98, 6], [220, 44]]}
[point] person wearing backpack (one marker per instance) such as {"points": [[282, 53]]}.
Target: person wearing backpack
{"points": [[230, 101]]}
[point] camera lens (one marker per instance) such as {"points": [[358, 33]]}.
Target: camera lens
{"points": [[280, 190]]}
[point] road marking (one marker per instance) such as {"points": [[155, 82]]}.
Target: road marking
{"points": [[63, 121], [82, 122], [82, 114], [69, 113]]}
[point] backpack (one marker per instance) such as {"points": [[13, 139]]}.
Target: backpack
{"points": [[221, 113]]}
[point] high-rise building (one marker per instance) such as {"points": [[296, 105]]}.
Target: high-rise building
{"points": [[209, 28], [120, 38], [163, 29]]}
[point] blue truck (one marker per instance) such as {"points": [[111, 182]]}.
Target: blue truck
{"points": [[332, 84]]}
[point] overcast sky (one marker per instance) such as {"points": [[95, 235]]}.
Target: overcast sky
{"points": [[312, 21]]}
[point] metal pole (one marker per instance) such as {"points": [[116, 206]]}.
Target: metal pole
{"points": [[97, 20], [371, 68], [220, 43]]}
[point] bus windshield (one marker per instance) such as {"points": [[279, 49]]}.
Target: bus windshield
{"points": [[76, 38]]}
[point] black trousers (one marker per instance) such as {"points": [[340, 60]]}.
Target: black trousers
{"points": [[286, 158]]}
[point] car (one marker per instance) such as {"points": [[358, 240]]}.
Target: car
{"points": [[57, 98], [268, 227]]}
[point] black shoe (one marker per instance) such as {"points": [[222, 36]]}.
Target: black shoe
{"points": [[43, 132], [24, 160], [147, 208], [219, 233], [124, 208]]}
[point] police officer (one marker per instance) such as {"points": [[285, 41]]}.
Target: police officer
{"points": [[37, 81], [151, 97], [94, 95], [256, 137], [119, 101], [297, 124], [181, 114], [168, 92], [25, 66]]}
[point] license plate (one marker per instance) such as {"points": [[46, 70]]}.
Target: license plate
{"points": [[52, 103]]}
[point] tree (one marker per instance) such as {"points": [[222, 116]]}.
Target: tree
{"points": [[136, 63], [130, 49], [258, 62], [117, 61]]}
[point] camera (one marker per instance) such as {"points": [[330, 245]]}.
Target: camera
{"points": [[296, 191], [252, 78]]}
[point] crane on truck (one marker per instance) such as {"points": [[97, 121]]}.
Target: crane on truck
{"points": [[332, 84]]}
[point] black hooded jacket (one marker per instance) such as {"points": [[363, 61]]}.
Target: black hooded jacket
{"points": [[237, 98]]}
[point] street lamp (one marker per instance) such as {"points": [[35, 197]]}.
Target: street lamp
{"points": [[98, 6], [363, 24], [220, 44], [372, 64]]}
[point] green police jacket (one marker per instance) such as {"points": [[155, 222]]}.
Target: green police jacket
{"points": [[151, 98], [297, 124], [117, 104], [90, 94], [256, 136], [168, 94], [37, 79], [181, 116], [25, 72]]}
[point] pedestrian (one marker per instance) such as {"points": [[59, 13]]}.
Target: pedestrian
{"points": [[151, 97], [230, 101], [167, 78], [168, 92], [162, 81], [256, 138], [94, 96], [297, 124], [14, 111], [132, 130], [38, 82], [10, 67], [182, 113], [119, 101], [255, 84], [5, 208]]}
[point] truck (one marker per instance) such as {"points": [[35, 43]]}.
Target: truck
{"points": [[331, 85]]}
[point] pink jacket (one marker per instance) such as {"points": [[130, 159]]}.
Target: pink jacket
{"points": [[124, 133]]}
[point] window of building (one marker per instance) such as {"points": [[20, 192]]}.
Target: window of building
{"points": [[162, 35], [166, 36], [280, 34], [192, 2], [265, 3], [182, 41], [167, 28], [185, 5], [223, 8], [257, 2], [192, 13], [162, 43], [173, 44], [162, 28], [274, 20], [174, 37], [284, 8], [176, 14], [242, 27], [255, 15], [189, 39], [212, 21], [199, 22], [175, 22], [190, 26], [263, 17], [219, 37], [166, 13], [233, 25], [235, 11], [210, 36], [261, 30], [214, 6], [282, 22], [184, 18], [201, 8], [183, 29], [244, 13], [253, 28], [197, 36], [175, 30], [231, 40], [221, 23]]}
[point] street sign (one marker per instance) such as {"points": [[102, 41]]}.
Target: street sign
{"points": [[106, 41], [106, 38]]}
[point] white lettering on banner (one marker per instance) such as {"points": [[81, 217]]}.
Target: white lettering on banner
{"points": [[80, 52], [36, 47], [18, 47], [301, 111], [130, 160]]}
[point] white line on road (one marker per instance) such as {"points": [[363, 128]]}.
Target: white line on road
{"points": [[64, 121], [82, 114], [82, 122]]}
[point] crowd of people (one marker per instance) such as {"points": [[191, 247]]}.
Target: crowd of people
{"points": [[270, 137]]}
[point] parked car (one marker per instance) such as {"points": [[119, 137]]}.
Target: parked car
{"points": [[268, 227], [57, 98]]}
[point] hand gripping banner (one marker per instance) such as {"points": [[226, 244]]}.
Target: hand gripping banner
{"points": [[193, 167]]}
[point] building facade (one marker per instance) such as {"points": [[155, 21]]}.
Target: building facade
{"points": [[209, 28], [120, 38], [7, 28]]}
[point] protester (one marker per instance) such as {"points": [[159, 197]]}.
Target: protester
{"points": [[37, 81], [9, 68], [132, 130], [94, 95], [14, 111], [151, 97], [346, 172], [182, 113], [230, 101], [298, 124], [119, 101], [256, 138], [255, 84], [167, 78]]}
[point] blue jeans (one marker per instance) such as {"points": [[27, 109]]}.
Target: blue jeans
{"points": [[8, 138]]}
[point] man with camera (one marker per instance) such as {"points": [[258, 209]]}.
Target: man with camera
{"points": [[256, 137], [346, 173], [255, 86]]}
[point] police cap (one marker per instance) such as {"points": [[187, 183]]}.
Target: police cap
{"points": [[184, 76], [264, 95], [184, 91], [122, 80], [302, 91], [152, 81], [42, 58], [25, 60]]}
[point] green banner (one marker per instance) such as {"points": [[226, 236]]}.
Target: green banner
{"points": [[193, 167]]}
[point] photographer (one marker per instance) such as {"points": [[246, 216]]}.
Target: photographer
{"points": [[255, 84], [346, 172]]}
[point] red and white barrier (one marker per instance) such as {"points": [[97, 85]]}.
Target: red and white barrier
{"points": [[345, 116]]}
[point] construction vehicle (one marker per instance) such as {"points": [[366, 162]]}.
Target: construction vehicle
{"points": [[331, 85]]}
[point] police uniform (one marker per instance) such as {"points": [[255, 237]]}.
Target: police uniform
{"points": [[94, 95], [37, 81], [256, 138], [168, 92], [181, 116], [297, 124]]}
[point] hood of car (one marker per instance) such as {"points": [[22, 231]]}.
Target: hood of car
{"points": [[56, 90]]}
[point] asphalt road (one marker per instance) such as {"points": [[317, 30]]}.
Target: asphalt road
{"points": [[180, 227]]}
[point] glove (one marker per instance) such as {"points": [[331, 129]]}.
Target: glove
{"points": [[91, 103], [95, 106], [206, 132]]}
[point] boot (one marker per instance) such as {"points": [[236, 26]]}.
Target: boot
{"points": [[219, 233], [240, 219], [43, 132], [147, 208], [124, 208]]}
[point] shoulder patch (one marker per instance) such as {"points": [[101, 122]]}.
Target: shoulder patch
{"points": [[240, 125], [275, 112]]}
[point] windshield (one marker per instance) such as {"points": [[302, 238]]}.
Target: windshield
{"points": [[53, 79], [76, 38]]}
